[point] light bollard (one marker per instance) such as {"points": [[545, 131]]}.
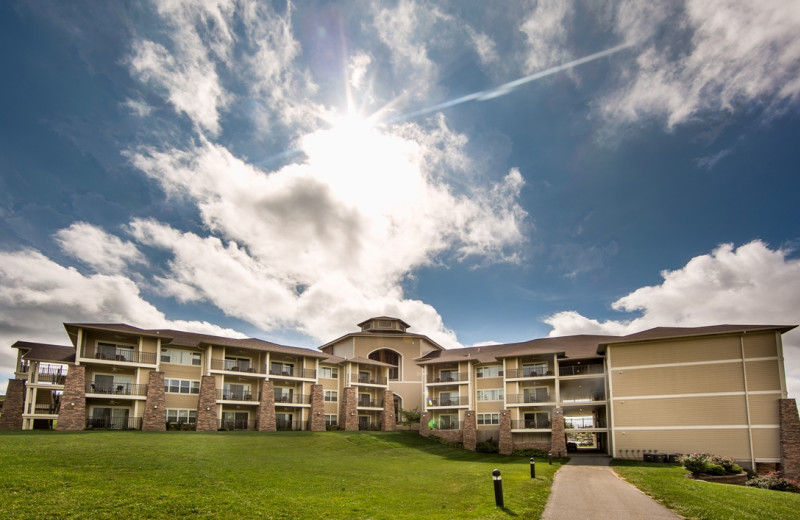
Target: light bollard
{"points": [[498, 488], [550, 457], [533, 468]]}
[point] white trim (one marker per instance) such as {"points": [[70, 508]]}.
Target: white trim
{"points": [[701, 427], [693, 363], [704, 394]]}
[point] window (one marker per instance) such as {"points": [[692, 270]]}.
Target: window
{"points": [[329, 372], [331, 396], [490, 395], [180, 357], [181, 416], [114, 351], [330, 419], [235, 420], [490, 371], [281, 369], [283, 395], [236, 392], [181, 386], [534, 369], [237, 364], [488, 418]]}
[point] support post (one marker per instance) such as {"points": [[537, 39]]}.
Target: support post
{"points": [[498, 488]]}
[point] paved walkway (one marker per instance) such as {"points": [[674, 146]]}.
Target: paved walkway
{"points": [[586, 487]]}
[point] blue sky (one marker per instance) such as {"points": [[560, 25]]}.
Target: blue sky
{"points": [[287, 170]]}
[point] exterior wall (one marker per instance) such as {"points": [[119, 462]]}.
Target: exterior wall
{"points": [[317, 417], [207, 405], [266, 407], [348, 418], [155, 411], [790, 439], [13, 406], [72, 416]]}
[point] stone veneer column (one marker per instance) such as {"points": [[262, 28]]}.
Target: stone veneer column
{"points": [[506, 444], [558, 440], [14, 405], [266, 407], [317, 409], [424, 424], [349, 412], [207, 405], [154, 418], [470, 430], [72, 415], [790, 439], [388, 420]]}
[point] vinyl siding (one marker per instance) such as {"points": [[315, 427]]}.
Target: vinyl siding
{"points": [[722, 377], [763, 375], [760, 345], [726, 442], [689, 411], [766, 443], [764, 409], [679, 351]]}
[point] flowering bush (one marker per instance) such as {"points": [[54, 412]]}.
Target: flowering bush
{"points": [[704, 463], [774, 481]]}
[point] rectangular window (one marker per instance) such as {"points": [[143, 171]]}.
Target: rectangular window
{"points": [[181, 416], [330, 419], [490, 395], [281, 369], [490, 371], [488, 418], [114, 351], [180, 357], [236, 392], [534, 369], [329, 372], [181, 386], [284, 395], [331, 396]]}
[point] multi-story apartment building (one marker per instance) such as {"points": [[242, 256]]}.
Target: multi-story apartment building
{"points": [[718, 389]]}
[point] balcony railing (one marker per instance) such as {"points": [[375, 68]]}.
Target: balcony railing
{"points": [[23, 368], [114, 423], [234, 365], [580, 370], [295, 426], [579, 423], [116, 389], [521, 373], [236, 395], [448, 377], [370, 403], [527, 398], [237, 425], [367, 379], [304, 373], [583, 398], [292, 399], [57, 376], [448, 401], [372, 426], [445, 425], [123, 355], [531, 424], [44, 408]]}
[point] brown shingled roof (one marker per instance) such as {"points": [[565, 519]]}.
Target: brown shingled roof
{"points": [[659, 333], [46, 352]]}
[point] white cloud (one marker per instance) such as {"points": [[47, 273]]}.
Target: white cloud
{"points": [[37, 295], [484, 46], [546, 32], [714, 55], [106, 253], [751, 284]]}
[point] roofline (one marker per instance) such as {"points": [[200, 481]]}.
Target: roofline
{"points": [[381, 334]]}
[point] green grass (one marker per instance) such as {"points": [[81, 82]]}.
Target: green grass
{"points": [[703, 500], [258, 475]]}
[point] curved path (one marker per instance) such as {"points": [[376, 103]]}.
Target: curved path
{"points": [[586, 487]]}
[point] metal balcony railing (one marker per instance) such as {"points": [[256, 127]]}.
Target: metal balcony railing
{"points": [[448, 377], [372, 426], [521, 373], [292, 399], [445, 425], [114, 423], [237, 425], [115, 389], [56, 376], [527, 398], [531, 424], [237, 365], [367, 379], [24, 368], [236, 395], [303, 373], [448, 401], [580, 370], [122, 355], [370, 403], [44, 408], [296, 426]]}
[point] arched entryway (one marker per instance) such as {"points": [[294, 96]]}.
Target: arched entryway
{"points": [[391, 357]]}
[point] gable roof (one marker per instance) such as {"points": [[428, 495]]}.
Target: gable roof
{"points": [[666, 333], [46, 352]]}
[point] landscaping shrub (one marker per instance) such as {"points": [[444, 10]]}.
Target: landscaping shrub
{"points": [[487, 446], [541, 454], [775, 482], [704, 463]]}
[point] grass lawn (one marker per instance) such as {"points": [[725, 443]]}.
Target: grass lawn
{"points": [[707, 501], [293, 475]]}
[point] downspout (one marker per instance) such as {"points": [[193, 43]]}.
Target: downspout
{"points": [[747, 406], [610, 409]]}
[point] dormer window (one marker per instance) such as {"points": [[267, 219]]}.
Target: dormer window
{"points": [[385, 324]]}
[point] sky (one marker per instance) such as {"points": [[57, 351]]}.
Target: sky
{"points": [[487, 173]]}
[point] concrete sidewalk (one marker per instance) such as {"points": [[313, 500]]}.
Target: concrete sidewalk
{"points": [[586, 487]]}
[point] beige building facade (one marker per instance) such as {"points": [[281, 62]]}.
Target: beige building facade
{"points": [[718, 389]]}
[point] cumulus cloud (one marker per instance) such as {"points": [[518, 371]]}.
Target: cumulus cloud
{"points": [[546, 34], [751, 284], [706, 55], [104, 252]]}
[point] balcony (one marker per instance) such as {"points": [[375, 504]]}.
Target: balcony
{"points": [[531, 424], [445, 425], [448, 377], [371, 426], [230, 425], [581, 370], [528, 398], [448, 401], [367, 379], [44, 408], [292, 399], [583, 398], [232, 365], [294, 426], [116, 389], [370, 403], [236, 395], [301, 373], [527, 373], [579, 423], [121, 355], [56, 376], [113, 423]]}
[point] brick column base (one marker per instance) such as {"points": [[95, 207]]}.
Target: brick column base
{"points": [[317, 409], [558, 440], [266, 407], [505, 445], [14, 405], [154, 418], [470, 430], [72, 415], [388, 420], [349, 410], [790, 439], [207, 405]]}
